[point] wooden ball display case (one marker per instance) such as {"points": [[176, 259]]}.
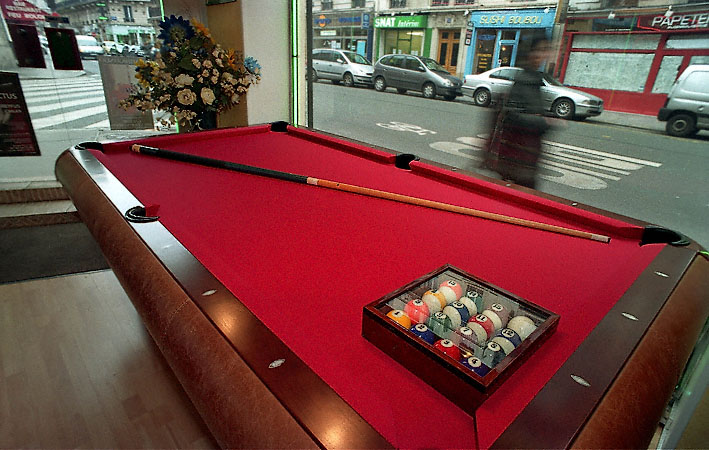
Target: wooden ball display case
{"points": [[475, 334]]}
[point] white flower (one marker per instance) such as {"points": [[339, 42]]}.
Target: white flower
{"points": [[207, 64], [196, 63], [186, 97], [183, 80], [207, 96], [215, 79], [235, 98]]}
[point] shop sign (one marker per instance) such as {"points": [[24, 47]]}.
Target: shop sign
{"points": [[322, 21], [692, 21], [400, 22], [366, 17], [22, 11], [17, 136], [528, 18]]}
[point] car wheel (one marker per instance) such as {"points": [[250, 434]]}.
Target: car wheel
{"points": [[429, 90], [348, 79], [563, 108], [380, 84], [401, 90], [482, 97], [681, 125]]}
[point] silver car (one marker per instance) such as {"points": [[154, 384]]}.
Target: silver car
{"points": [[562, 101], [343, 66], [415, 73]]}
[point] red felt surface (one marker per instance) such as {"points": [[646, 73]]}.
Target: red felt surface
{"points": [[306, 260]]}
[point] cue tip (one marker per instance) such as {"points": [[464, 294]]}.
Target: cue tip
{"points": [[600, 238]]}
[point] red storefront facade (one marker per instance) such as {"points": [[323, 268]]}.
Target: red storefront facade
{"points": [[631, 60]]}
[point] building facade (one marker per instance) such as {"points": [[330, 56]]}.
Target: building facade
{"points": [[125, 21], [630, 53]]}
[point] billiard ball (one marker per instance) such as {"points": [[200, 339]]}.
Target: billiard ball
{"points": [[484, 322], [435, 300], [505, 344], [510, 335], [498, 314], [440, 324], [448, 347], [400, 317], [467, 340], [476, 365], [458, 313], [493, 354], [417, 311], [477, 298], [522, 325], [470, 304], [452, 290], [422, 331]]}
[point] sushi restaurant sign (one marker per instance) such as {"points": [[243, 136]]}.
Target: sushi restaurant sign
{"points": [[400, 22]]}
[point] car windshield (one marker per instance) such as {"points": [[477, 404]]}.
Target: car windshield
{"points": [[551, 80], [86, 41], [433, 65], [356, 58]]}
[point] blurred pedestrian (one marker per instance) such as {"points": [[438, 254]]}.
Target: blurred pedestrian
{"points": [[518, 126]]}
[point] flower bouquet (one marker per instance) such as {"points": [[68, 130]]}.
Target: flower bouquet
{"points": [[192, 77]]}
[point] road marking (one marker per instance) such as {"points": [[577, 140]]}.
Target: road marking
{"points": [[400, 126], [578, 167], [47, 122]]}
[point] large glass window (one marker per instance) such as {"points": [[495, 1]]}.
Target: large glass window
{"points": [[609, 70]]}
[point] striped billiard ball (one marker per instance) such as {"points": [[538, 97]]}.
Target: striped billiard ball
{"points": [[458, 313], [417, 310], [448, 347], [476, 365], [466, 339], [484, 322], [422, 332], [510, 335], [498, 314], [477, 298], [470, 304], [435, 300], [400, 317], [452, 290]]}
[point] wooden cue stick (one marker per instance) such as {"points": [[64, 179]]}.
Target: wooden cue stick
{"points": [[217, 163]]}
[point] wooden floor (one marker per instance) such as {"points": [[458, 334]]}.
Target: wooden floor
{"points": [[79, 370]]}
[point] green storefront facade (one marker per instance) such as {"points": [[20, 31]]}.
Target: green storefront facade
{"points": [[401, 34]]}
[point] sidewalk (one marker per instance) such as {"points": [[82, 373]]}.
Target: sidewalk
{"points": [[30, 73], [628, 120]]}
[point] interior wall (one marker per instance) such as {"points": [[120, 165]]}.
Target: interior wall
{"points": [[266, 32]]}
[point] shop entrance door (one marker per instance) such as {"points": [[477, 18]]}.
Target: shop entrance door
{"points": [[506, 51], [448, 46]]}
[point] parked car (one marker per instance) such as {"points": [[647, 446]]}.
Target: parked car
{"points": [[686, 109], [89, 48], [562, 101], [343, 66], [415, 73], [115, 48]]}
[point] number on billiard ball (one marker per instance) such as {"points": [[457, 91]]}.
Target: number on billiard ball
{"points": [[451, 290], [476, 365], [417, 311]]}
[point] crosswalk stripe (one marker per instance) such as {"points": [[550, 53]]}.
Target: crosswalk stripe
{"points": [[61, 93], [68, 116]]}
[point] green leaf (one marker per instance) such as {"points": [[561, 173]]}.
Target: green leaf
{"points": [[186, 63]]}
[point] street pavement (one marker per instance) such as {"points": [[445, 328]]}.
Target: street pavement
{"points": [[65, 104]]}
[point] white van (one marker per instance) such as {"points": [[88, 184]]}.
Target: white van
{"points": [[686, 110], [88, 46]]}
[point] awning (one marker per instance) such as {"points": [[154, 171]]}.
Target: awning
{"points": [[21, 11]]}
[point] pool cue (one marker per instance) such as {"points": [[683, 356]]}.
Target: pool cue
{"points": [[221, 164]]}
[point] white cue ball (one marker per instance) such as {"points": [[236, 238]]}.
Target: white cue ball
{"points": [[522, 325]]}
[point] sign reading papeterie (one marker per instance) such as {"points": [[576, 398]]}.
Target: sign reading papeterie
{"points": [[16, 133]]}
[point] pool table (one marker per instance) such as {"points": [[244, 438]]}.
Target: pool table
{"points": [[253, 288]]}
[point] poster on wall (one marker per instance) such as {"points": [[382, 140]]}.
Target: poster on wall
{"points": [[118, 75], [64, 49], [17, 136]]}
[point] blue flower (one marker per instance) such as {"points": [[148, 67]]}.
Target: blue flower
{"points": [[251, 64], [175, 29]]}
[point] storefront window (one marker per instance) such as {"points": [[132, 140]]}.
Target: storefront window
{"points": [[617, 41], [403, 41], [669, 70], [593, 70], [688, 41]]}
